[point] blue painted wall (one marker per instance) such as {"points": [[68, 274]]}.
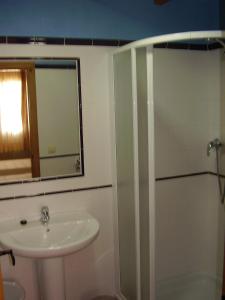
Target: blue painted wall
{"points": [[222, 14], [105, 19]]}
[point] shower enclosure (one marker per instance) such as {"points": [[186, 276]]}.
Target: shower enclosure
{"points": [[169, 103]]}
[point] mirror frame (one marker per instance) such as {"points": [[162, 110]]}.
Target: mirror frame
{"points": [[82, 173]]}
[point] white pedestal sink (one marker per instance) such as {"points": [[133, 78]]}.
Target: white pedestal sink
{"points": [[65, 234]]}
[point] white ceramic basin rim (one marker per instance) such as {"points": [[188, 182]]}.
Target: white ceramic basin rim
{"points": [[65, 234]]}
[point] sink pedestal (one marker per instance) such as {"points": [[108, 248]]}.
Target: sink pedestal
{"points": [[51, 278]]}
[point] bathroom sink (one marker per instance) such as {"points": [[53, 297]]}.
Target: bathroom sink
{"points": [[65, 234]]}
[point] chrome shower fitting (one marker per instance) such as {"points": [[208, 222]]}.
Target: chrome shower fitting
{"points": [[213, 145]]}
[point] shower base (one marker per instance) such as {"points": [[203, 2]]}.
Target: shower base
{"points": [[189, 287]]}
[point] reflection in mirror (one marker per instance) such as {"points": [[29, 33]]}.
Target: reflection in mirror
{"points": [[40, 119]]}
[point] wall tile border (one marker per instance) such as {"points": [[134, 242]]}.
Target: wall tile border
{"points": [[56, 192], [188, 175], [189, 46], [61, 41], [101, 186], [68, 41]]}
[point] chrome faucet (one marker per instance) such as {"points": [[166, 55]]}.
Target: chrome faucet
{"points": [[213, 145], [44, 215]]}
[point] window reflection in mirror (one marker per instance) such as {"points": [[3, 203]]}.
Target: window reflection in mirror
{"points": [[40, 119]]}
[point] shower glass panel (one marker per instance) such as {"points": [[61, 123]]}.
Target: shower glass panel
{"points": [[221, 252], [189, 213], [125, 173], [142, 109], [222, 111]]}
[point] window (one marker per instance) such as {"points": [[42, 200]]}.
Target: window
{"points": [[14, 137], [19, 151]]}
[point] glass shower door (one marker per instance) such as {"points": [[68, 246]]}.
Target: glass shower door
{"points": [[189, 213], [169, 104]]}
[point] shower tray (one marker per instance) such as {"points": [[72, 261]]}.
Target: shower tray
{"points": [[189, 287]]}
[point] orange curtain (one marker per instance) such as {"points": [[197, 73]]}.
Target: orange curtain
{"points": [[14, 137]]}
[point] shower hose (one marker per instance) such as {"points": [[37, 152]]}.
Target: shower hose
{"points": [[221, 188]]}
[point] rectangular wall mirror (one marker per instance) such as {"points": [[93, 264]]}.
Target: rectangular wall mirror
{"points": [[40, 119]]}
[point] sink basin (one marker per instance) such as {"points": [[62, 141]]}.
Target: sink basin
{"points": [[65, 234]]}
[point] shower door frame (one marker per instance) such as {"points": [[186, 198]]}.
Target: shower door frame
{"points": [[148, 43]]}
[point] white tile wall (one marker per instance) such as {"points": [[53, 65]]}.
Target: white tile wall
{"points": [[187, 109], [187, 226], [185, 121], [91, 271]]}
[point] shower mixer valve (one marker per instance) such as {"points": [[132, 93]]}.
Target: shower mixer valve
{"points": [[213, 145]]}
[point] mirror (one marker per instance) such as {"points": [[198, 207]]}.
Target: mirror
{"points": [[44, 134]]}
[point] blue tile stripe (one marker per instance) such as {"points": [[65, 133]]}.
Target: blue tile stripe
{"points": [[100, 42]]}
